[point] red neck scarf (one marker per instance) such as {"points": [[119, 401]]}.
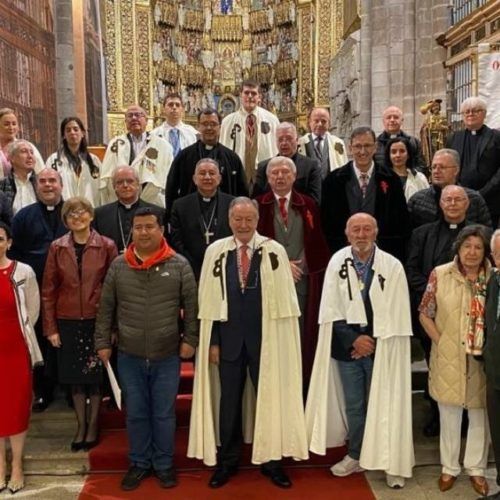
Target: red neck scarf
{"points": [[163, 253]]}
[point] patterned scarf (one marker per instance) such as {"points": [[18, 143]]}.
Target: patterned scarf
{"points": [[475, 331]]}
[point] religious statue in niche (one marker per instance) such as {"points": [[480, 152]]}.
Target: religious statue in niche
{"points": [[434, 129]]}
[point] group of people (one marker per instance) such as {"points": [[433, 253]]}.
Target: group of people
{"points": [[298, 305]]}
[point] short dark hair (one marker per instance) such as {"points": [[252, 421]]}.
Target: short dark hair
{"points": [[173, 95], [477, 230], [251, 83], [208, 112], [7, 229], [362, 131], [410, 162], [144, 211]]}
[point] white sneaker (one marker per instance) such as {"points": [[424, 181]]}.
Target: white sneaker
{"points": [[396, 482], [346, 467]]}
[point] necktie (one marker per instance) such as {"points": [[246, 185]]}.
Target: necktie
{"points": [[250, 126], [319, 147], [173, 137], [283, 211], [244, 265], [363, 183]]}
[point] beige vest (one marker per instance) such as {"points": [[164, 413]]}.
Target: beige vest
{"points": [[455, 378]]}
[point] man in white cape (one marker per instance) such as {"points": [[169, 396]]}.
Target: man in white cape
{"points": [[273, 418], [376, 330], [149, 154], [251, 131]]}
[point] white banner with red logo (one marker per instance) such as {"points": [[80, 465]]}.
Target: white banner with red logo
{"points": [[489, 83]]}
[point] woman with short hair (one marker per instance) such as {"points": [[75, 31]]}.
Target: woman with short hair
{"points": [[452, 314], [76, 266]]}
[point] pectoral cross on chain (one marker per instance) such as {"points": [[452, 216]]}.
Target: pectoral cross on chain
{"points": [[207, 236]]}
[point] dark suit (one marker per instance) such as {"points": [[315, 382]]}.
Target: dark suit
{"points": [[187, 227], [491, 353], [482, 171], [239, 339], [385, 200], [308, 179], [106, 221]]}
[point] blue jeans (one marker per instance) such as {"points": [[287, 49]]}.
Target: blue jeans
{"points": [[150, 389], [356, 377]]}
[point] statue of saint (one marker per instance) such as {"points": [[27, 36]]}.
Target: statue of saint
{"points": [[434, 129]]}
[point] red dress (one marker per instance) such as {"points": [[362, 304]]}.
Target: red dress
{"points": [[15, 365]]}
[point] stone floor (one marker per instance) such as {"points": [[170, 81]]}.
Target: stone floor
{"points": [[54, 473]]}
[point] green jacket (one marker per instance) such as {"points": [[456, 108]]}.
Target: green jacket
{"points": [[146, 305]]}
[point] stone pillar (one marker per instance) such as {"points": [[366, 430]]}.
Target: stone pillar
{"points": [[65, 79], [365, 116]]}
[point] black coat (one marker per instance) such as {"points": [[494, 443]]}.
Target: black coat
{"points": [[106, 220], [32, 236], [426, 251], [180, 176], [491, 350], [390, 209], [484, 176], [5, 209], [308, 179], [187, 229]]}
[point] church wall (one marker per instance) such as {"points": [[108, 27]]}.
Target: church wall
{"points": [[393, 58]]}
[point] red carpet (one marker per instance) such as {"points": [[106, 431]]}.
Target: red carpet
{"points": [[308, 483], [108, 462]]}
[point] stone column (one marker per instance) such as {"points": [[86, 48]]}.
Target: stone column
{"points": [[365, 116], [65, 80]]}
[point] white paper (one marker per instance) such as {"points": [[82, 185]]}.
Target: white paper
{"points": [[117, 393]]}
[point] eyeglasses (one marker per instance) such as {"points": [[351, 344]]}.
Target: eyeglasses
{"points": [[472, 111], [74, 214], [360, 147], [134, 114]]}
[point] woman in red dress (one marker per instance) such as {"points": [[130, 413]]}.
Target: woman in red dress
{"points": [[19, 305]]}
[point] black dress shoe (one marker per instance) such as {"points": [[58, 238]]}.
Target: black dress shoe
{"points": [[77, 446], [134, 477], [221, 476], [40, 405], [167, 477], [277, 476]]}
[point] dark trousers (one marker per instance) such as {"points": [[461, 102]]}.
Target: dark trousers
{"points": [[232, 377], [44, 376], [493, 405]]}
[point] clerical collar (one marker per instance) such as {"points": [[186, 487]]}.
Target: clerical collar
{"points": [[208, 146], [453, 226], [393, 136], [128, 206], [50, 208], [477, 132], [207, 199]]}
